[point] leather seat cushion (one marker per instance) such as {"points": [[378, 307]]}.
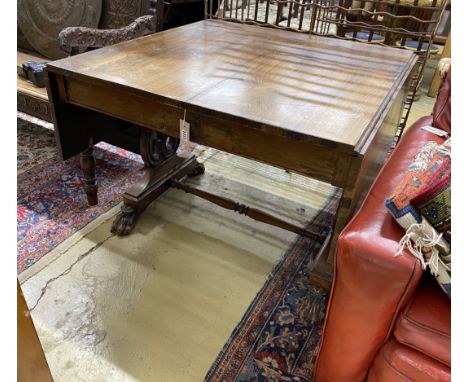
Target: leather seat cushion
{"points": [[424, 324], [396, 363]]}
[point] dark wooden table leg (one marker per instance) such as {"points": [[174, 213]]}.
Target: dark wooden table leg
{"points": [[88, 166], [162, 166], [320, 272]]}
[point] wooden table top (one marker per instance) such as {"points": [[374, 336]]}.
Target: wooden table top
{"points": [[309, 87]]}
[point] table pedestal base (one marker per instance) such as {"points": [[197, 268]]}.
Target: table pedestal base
{"points": [[155, 181]]}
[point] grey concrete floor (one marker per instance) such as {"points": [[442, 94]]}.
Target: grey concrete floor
{"points": [[159, 304]]}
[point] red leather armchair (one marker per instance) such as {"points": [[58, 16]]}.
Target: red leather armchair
{"points": [[386, 319]]}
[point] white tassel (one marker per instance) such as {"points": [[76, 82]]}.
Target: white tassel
{"points": [[417, 238], [412, 241]]}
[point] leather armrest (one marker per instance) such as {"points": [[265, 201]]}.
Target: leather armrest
{"points": [[370, 284]]}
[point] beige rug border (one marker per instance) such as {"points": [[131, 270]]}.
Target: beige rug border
{"points": [[65, 245]]}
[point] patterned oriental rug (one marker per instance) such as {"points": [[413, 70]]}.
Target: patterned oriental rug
{"points": [[277, 339], [51, 203]]}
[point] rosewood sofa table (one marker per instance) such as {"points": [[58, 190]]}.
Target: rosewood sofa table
{"points": [[321, 107]]}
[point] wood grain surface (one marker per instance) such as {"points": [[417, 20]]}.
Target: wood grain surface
{"points": [[281, 82], [32, 364]]}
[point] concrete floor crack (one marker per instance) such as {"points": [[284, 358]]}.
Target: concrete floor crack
{"points": [[69, 269]]}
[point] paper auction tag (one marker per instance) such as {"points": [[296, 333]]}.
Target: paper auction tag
{"points": [[184, 130]]}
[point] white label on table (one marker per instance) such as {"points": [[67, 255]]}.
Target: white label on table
{"points": [[184, 131]]}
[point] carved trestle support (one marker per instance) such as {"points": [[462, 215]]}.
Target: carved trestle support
{"points": [[158, 152], [154, 183]]}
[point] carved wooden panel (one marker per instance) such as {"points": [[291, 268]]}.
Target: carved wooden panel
{"points": [[34, 106], [21, 41], [120, 13]]}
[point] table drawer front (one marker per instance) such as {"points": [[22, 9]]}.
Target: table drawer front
{"points": [[305, 158]]}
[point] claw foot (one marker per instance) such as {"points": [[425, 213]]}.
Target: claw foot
{"points": [[125, 221], [198, 169]]}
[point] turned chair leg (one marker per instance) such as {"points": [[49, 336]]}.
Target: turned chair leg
{"points": [[88, 166]]}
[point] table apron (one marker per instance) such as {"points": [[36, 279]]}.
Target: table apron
{"points": [[303, 157]]}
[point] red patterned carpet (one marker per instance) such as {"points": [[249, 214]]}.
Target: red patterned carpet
{"points": [[277, 339], [51, 204]]}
